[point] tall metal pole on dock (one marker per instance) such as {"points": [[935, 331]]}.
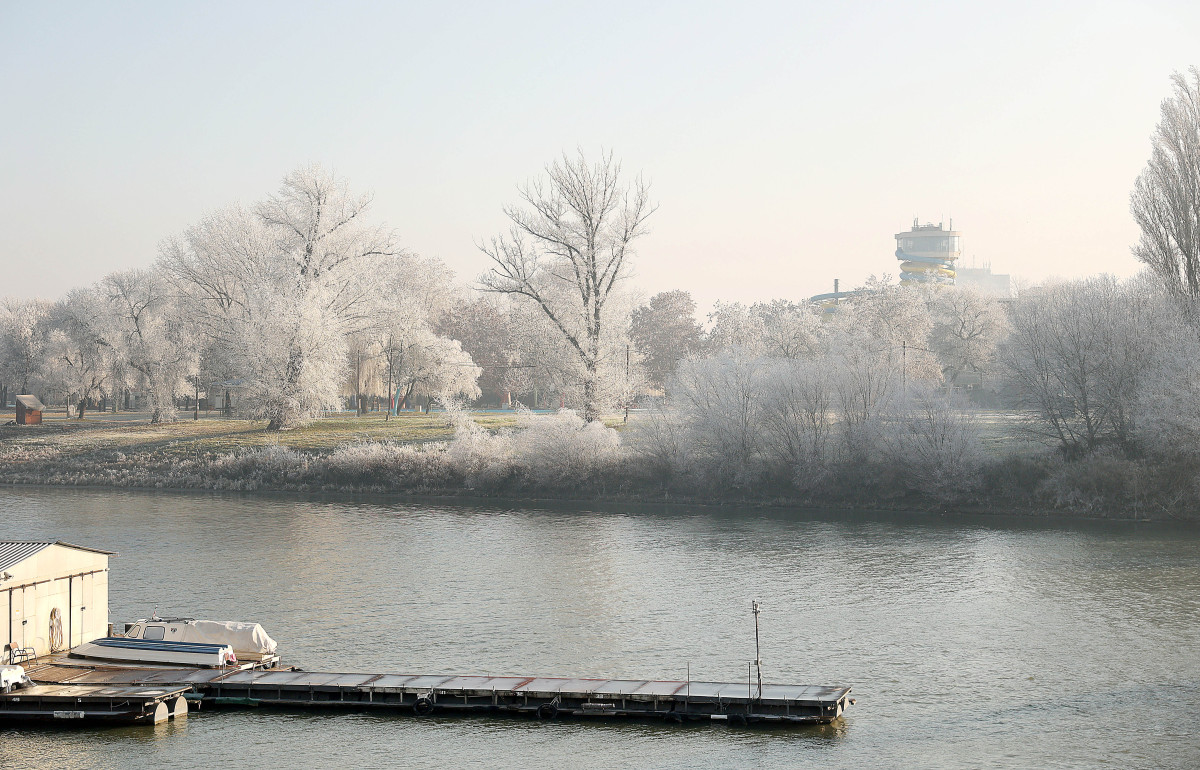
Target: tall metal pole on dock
{"points": [[757, 607]]}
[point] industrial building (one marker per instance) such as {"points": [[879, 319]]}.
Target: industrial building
{"points": [[983, 280], [54, 596]]}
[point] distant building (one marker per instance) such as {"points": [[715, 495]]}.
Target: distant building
{"points": [[927, 254], [985, 281]]}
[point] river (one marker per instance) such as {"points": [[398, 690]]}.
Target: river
{"points": [[969, 642]]}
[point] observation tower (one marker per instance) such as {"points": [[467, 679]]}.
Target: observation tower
{"points": [[927, 253]]}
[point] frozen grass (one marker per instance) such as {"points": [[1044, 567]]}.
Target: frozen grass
{"points": [[350, 452], [1006, 433], [129, 433]]}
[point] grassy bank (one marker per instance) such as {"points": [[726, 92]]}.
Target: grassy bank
{"points": [[496, 456]]}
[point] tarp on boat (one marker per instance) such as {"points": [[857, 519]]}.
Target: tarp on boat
{"points": [[242, 637]]}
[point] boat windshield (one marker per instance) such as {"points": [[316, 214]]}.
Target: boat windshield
{"points": [[134, 632]]}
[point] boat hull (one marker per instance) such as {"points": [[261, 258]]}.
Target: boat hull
{"points": [[147, 651]]}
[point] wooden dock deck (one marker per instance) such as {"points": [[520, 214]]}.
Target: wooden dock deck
{"points": [[422, 695]]}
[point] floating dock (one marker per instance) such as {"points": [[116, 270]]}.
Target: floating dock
{"points": [[83, 703], [424, 695]]}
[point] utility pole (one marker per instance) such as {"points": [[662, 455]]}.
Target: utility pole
{"points": [[756, 605], [628, 394]]}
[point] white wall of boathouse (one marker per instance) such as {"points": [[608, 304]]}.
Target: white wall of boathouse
{"points": [[38, 578]]}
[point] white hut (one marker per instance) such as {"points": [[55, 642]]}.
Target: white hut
{"points": [[53, 596]]}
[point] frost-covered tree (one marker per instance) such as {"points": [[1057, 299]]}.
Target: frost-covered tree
{"points": [[148, 334], [1078, 355], [428, 365], [1168, 404], [734, 326], [968, 326], [888, 325], [1166, 197], [776, 329], [542, 365], [282, 285], [664, 331], [81, 357], [481, 326], [790, 329], [415, 358], [23, 338], [569, 247]]}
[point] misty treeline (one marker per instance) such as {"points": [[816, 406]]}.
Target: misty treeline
{"points": [[877, 398]]}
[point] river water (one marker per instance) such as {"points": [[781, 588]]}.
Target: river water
{"points": [[969, 642]]}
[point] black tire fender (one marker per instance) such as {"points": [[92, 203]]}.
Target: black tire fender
{"points": [[423, 706], [547, 711]]}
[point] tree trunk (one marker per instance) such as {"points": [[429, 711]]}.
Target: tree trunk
{"points": [[591, 406]]}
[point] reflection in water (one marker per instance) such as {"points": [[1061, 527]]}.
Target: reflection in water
{"points": [[969, 642]]}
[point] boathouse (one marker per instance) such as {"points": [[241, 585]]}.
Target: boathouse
{"points": [[53, 596]]}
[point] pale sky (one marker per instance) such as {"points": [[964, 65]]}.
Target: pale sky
{"points": [[786, 142]]}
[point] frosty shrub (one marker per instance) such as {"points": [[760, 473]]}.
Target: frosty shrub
{"points": [[1168, 407], [797, 419], [1102, 481], [719, 399], [933, 441], [561, 449], [657, 440], [272, 464], [387, 466], [1017, 477], [480, 457], [864, 382]]}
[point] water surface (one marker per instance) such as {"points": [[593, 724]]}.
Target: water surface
{"points": [[969, 642]]}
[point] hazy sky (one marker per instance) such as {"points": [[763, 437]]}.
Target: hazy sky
{"points": [[786, 142]]}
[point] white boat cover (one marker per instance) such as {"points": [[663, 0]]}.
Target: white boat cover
{"points": [[242, 637], [12, 676]]}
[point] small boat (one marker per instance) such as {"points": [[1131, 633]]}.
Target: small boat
{"points": [[119, 648], [187, 641], [250, 641]]}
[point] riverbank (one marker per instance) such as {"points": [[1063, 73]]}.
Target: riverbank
{"points": [[419, 455]]}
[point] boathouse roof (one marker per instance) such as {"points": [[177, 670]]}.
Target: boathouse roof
{"points": [[14, 551]]}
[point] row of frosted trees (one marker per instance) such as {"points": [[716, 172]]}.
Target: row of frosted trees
{"points": [[292, 297]]}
